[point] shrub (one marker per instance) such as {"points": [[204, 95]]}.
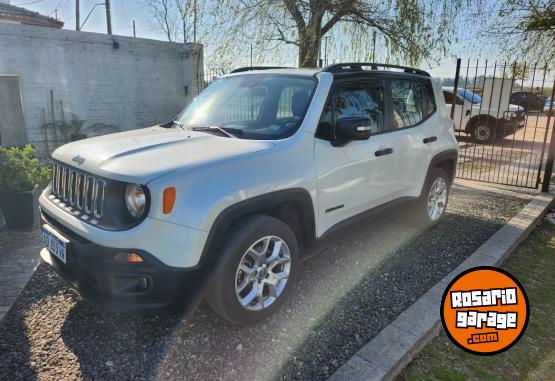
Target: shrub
{"points": [[20, 169]]}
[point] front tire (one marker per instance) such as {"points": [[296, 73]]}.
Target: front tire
{"points": [[431, 206], [257, 268]]}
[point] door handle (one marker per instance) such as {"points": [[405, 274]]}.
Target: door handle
{"points": [[383, 152], [430, 139]]}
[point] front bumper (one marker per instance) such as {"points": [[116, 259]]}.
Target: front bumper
{"points": [[117, 286]]}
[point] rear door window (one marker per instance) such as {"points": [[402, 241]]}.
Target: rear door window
{"points": [[412, 102]]}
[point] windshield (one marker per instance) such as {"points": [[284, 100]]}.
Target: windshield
{"points": [[470, 96], [253, 106]]}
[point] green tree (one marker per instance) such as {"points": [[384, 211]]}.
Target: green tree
{"points": [[526, 28], [411, 30], [408, 30]]}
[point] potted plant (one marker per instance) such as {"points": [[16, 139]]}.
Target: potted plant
{"points": [[73, 130], [21, 178]]}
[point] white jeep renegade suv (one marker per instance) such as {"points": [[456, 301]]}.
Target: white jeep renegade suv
{"points": [[249, 179]]}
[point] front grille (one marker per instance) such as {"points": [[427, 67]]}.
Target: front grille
{"points": [[79, 192]]}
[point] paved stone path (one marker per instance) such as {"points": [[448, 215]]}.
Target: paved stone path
{"points": [[19, 256], [385, 356]]}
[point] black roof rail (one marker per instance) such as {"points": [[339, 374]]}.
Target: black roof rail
{"points": [[357, 66], [251, 68]]}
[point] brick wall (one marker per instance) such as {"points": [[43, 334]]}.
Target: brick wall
{"points": [[104, 80]]}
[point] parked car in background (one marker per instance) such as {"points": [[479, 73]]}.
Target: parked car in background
{"points": [[549, 106], [249, 180], [483, 124], [528, 100]]}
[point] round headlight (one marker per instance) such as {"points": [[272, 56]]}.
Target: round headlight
{"points": [[135, 199]]}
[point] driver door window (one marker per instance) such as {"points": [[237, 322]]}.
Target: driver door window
{"points": [[364, 101], [361, 100]]}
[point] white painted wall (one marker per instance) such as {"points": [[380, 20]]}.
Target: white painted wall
{"points": [[140, 83]]}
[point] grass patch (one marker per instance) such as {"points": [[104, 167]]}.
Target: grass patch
{"points": [[533, 357]]}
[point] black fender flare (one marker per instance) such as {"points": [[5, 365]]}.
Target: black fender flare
{"points": [[444, 156], [263, 204]]}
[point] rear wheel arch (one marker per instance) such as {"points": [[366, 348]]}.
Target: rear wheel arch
{"points": [[447, 161]]}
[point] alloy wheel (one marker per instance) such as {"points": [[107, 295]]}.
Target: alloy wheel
{"points": [[262, 273], [437, 199], [482, 133]]}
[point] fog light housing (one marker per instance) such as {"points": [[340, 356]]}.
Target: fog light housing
{"points": [[128, 257], [130, 284]]}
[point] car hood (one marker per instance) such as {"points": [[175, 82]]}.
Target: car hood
{"points": [[512, 107], [142, 155], [515, 108]]}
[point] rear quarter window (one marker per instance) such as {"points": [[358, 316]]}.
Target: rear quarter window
{"points": [[412, 102]]}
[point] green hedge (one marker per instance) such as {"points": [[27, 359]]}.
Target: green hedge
{"points": [[21, 170]]}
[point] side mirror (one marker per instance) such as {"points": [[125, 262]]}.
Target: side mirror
{"points": [[352, 128]]}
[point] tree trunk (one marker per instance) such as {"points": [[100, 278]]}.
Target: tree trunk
{"points": [[309, 46]]}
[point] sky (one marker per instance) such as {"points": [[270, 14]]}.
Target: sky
{"points": [[125, 11]]}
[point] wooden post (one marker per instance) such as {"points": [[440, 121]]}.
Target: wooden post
{"points": [[62, 111], [45, 128], [134, 31], [53, 111]]}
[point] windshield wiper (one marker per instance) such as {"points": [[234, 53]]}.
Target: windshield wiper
{"points": [[230, 132], [175, 122]]}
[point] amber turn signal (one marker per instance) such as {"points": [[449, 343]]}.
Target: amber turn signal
{"points": [[128, 257], [169, 199]]}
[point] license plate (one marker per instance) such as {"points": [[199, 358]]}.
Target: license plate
{"points": [[54, 242]]}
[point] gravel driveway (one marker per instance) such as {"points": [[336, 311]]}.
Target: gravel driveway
{"points": [[344, 297]]}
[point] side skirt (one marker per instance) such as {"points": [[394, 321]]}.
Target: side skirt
{"points": [[369, 217]]}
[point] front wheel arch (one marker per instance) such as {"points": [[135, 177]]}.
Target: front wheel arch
{"points": [[275, 204]]}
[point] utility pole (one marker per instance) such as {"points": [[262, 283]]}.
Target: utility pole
{"points": [[374, 46], [108, 17], [77, 15], [326, 51], [134, 32], [195, 21], [251, 54]]}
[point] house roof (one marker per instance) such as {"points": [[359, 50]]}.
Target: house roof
{"points": [[17, 15]]}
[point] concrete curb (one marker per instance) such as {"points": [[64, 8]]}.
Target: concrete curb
{"points": [[386, 355]]}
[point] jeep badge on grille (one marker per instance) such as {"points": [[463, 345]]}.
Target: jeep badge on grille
{"points": [[78, 159]]}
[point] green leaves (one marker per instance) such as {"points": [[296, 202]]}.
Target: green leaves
{"points": [[20, 169]]}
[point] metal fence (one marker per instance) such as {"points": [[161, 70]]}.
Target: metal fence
{"points": [[503, 120]]}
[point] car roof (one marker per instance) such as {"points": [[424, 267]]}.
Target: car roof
{"points": [[337, 70], [303, 72]]}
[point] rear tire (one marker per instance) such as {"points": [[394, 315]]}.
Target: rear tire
{"points": [[246, 270], [431, 206]]}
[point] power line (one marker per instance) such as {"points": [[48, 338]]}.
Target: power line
{"points": [[29, 3], [124, 12], [59, 6]]}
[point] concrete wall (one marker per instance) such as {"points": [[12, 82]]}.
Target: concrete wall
{"points": [[106, 81]]}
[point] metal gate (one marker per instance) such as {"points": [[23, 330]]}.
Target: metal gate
{"points": [[503, 116]]}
